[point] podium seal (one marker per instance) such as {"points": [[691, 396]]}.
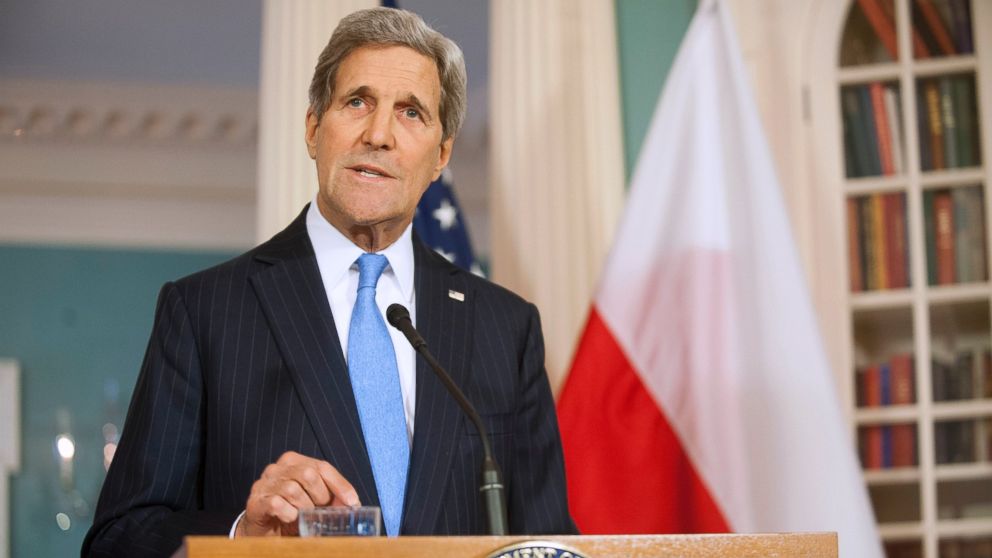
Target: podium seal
{"points": [[536, 549]]}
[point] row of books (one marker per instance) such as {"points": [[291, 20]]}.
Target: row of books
{"points": [[943, 26], [872, 130], [877, 242], [954, 441], [965, 375], [955, 235], [887, 383], [947, 116], [884, 446], [940, 27]]}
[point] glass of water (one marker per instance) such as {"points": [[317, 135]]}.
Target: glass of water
{"points": [[361, 521]]}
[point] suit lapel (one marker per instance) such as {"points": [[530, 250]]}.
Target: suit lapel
{"points": [[293, 299], [445, 325]]}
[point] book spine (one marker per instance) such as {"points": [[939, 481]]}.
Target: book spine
{"points": [[873, 386], [896, 220], [860, 397], [903, 445], [920, 27], [961, 15], [962, 236], [937, 27], [920, 49], [868, 244], [964, 374], [977, 233], [882, 132], [859, 130], [851, 169], [929, 222], [879, 240], [944, 217], [938, 381], [895, 128], [873, 443], [868, 117], [932, 92], [966, 117], [885, 383], [923, 129], [901, 382], [883, 26], [854, 255], [950, 124], [886, 447], [941, 442]]}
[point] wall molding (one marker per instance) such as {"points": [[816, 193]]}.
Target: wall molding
{"points": [[130, 165], [32, 111]]}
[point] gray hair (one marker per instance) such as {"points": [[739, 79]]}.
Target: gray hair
{"points": [[393, 27]]}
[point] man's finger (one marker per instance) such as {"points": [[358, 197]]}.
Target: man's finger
{"points": [[308, 476], [342, 491], [279, 508], [293, 493]]}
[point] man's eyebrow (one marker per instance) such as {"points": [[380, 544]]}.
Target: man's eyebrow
{"points": [[360, 91], [412, 99]]}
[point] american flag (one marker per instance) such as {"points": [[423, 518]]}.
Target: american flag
{"points": [[439, 223]]}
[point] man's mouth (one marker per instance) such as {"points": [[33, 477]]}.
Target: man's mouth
{"points": [[371, 171]]}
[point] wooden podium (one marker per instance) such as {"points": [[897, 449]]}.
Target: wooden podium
{"points": [[792, 545]]}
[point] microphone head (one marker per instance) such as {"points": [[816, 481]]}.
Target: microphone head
{"points": [[397, 313]]}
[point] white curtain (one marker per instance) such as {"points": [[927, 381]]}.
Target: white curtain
{"points": [[557, 158]]}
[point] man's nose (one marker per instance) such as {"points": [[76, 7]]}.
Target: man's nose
{"points": [[379, 129]]}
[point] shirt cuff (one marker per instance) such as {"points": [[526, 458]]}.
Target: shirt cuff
{"points": [[234, 527]]}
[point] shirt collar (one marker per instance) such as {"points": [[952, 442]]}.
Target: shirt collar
{"points": [[336, 254]]}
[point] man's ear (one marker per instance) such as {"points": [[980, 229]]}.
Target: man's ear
{"points": [[311, 136], [443, 157]]}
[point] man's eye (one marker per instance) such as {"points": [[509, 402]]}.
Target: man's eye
{"points": [[355, 103], [412, 113]]}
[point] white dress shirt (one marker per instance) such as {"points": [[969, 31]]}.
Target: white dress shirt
{"points": [[337, 260]]}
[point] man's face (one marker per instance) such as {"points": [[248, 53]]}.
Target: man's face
{"points": [[378, 144]]}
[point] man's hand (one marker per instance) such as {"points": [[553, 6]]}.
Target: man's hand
{"points": [[292, 483]]}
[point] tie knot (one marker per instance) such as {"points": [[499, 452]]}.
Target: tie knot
{"points": [[370, 267]]}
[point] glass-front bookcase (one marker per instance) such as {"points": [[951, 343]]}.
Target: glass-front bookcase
{"points": [[916, 210]]}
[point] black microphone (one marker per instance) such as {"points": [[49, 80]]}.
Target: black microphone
{"points": [[492, 479]]}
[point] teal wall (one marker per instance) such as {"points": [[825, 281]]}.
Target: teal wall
{"points": [[77, 320], [649, 33]]}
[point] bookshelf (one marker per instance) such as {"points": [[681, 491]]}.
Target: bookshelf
{"points": [[914, 89]]}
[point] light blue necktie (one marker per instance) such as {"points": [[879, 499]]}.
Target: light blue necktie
{"points": [[376, 383]]}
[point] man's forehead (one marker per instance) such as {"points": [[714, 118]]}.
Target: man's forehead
{"points": [[398, 68]]}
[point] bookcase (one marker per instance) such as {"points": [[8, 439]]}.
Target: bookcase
{"points": [[914, 80]]}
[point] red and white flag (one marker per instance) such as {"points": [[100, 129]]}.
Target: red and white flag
{"points": [[700, 398]]}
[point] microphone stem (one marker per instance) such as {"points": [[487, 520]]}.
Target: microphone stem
{"points": [[492, 478]]}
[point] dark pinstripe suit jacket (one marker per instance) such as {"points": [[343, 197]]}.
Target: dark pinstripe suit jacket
{"points": [[244, 363]]}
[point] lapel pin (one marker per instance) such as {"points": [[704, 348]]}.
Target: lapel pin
{"points": [[460, 297]]}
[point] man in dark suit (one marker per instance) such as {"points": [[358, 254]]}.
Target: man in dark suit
{"points": [[271, 383]]}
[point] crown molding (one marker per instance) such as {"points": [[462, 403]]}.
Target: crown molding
{"points": [[45, 111], [134, 165]]}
